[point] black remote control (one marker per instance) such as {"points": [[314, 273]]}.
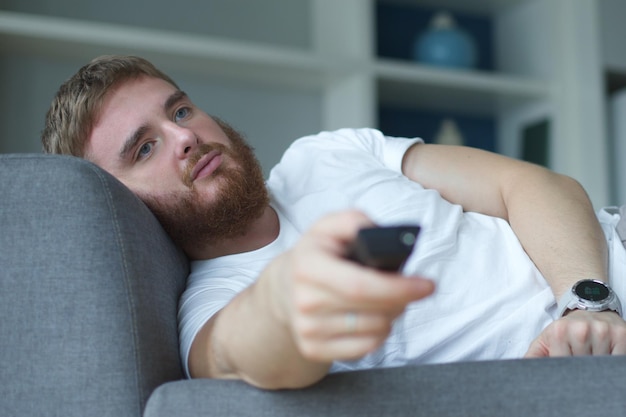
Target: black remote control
{"points": [[385, 248]]}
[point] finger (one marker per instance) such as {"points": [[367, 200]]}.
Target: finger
{"points": [[552, 342], [618, 337], [601, 347], [340, 348], [583, 347], [608, 331], [340, 293], [540, 348], [556, 339], [619, 348], [354, 282], [599, 338], [366, 286], [334, 231], [344, 324], [537, 350], [558, 349]]}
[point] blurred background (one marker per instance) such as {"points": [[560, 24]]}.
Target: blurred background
{"points": [[541, 80]]}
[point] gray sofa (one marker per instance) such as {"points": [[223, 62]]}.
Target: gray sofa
{"points": [[89, 285]]}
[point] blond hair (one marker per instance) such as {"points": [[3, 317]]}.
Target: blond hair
{"points": [[76, 105]]}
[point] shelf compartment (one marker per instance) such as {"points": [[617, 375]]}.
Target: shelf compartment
{"points": [[476, 131], [398, 26]]}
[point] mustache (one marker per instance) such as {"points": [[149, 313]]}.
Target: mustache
{"points": [[201, 150]]}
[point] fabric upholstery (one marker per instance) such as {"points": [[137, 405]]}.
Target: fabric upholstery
{"points": [[589, 386], [89, 286]]}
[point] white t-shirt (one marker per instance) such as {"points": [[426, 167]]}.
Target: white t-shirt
{"points": [[490, 301]]}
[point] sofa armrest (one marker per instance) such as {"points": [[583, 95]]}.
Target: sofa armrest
{"points": [[89, 288], [588, 386]]}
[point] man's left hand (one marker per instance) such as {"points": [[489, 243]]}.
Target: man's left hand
{"points": [[581, 333]]}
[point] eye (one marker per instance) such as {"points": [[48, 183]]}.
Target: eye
{"points": [[181, 113], [145, 150]]}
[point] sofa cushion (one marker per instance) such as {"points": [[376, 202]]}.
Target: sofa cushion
{"points": [[555, 387]]}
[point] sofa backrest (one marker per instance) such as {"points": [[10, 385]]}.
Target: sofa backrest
{"points": [[89, 287]]}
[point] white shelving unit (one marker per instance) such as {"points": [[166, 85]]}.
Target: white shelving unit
{"points": [[546, 67], [204, 55]]}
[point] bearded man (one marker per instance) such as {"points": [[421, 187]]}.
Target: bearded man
{"points": [[272, 298]]}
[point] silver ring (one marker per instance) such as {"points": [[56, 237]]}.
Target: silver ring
{"points": [[351, 322]]}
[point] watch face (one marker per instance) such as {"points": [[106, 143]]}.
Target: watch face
{"points": [[592, 291]]}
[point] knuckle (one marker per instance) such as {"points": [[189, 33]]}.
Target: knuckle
{"points": [[300, 271], [307, 329], [559, 328], [357, 290], [305, 302], [581, 332], [602, 329], [620, 333], [310, 351]]}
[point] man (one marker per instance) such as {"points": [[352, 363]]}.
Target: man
{"points": [[272, 299]]}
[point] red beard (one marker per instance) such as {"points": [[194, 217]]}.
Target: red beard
{"points": [[241, 198]]}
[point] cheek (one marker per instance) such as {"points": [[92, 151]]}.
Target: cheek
{"points": [[154, 184], [151, 179], [209, 131]]}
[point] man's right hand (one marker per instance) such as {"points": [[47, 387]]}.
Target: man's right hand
{"points": [[337, 309]]}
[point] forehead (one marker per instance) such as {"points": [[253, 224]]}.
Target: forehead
{"points": [[129, 105], [135, 94]]}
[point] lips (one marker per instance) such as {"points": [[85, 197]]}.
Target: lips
{"points": [[206, 165]]}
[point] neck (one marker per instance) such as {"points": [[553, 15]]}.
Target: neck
{"points": [[262, 232]]}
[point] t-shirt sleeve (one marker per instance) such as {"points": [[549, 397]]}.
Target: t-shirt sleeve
{"points": [[202, 299], [387, 149], [394, 151]]}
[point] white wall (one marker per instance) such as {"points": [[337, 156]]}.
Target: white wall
{"points": [[613, 33]]}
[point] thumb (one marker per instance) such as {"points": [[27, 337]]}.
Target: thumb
{"points": [[537, 349]]}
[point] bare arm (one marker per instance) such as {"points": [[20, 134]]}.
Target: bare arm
{"points": [[550, 213], [553, 219], [286, 329]]}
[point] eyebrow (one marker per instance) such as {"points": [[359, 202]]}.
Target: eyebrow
{"points": [[171, 101], [132, 140]]}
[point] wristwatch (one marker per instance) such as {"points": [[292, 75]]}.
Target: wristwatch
{"points": [[590, 295]]}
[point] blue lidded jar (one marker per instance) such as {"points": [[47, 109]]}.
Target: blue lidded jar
{"points": [[444, 44]]}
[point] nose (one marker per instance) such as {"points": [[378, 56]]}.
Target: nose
{"points": [[184, 139]]}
